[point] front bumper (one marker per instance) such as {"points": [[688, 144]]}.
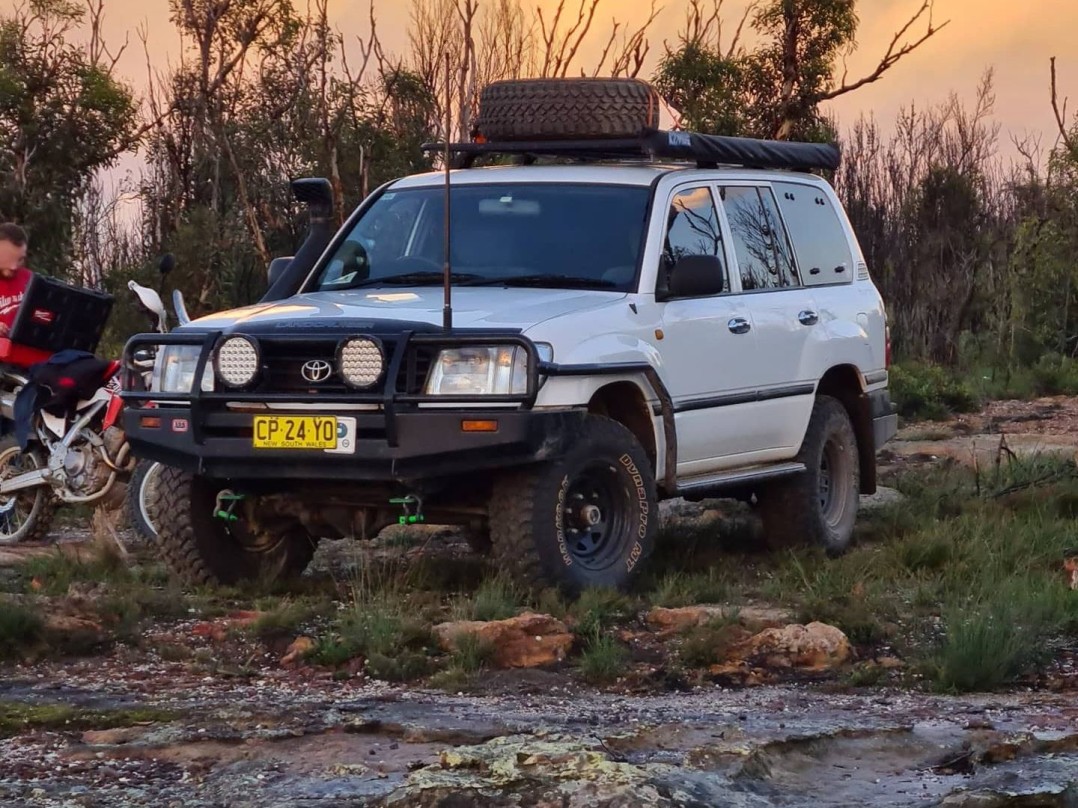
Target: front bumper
{"points": [[429, 444], [884, 417]]}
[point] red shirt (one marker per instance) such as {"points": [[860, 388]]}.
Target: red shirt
{"points": [[11, 293]]}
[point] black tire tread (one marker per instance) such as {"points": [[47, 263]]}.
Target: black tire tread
{"points": [[177, 534], [578, 108], [511, 515], [788, 507], [178, 537]]}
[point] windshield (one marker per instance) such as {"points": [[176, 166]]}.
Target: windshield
{"points": [[552, 235]]}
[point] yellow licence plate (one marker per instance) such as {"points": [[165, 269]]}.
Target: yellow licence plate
{"points": [[295, 432]]}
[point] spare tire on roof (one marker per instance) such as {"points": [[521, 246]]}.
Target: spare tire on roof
{"points": [[566, 109]]}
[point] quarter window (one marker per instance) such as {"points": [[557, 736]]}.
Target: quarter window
{"points": [[693, 229], [823, 250], [764, 257]]}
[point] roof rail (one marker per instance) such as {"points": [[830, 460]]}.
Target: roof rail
{"points": [[707, 151]]}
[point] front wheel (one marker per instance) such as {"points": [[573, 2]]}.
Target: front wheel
{"points": [[141, 493], [587, 519], [24, 515], [204, 547], [819, 507]]}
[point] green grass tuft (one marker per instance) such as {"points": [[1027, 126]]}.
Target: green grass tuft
{"points": [[710, 643], [689, 589], [598, 608], [495, 599], [21, 630], [603, 659]]}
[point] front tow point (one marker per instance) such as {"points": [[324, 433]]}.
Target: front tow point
{"points": [[227, 513], [410, 516]]}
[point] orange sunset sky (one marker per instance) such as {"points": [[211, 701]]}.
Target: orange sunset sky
{"points": [[1017, 38]]}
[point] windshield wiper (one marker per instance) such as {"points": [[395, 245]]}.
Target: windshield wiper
{"points": [[547, 281], [416, 279]]}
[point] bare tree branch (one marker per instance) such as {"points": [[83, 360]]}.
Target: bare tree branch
{"points": [[1060, 113], [897, 50]]}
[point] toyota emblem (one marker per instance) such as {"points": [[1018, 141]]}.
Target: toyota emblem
{"points": [[316, 370]]}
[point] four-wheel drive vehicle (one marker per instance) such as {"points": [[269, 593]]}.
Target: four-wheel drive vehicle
{"points": [[650, 320]]}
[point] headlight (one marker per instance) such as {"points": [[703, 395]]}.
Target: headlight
{"points": [[483, 371], [360, 362], [236, 361], [174, 370]]}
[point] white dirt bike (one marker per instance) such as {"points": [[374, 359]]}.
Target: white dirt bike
{"points": [[141, 488], [81, 457]]}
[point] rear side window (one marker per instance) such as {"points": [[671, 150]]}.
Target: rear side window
{"points": [[764, 258], [820, 244]]}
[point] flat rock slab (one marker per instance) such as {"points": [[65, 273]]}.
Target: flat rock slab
{"points": [[294, 741]]}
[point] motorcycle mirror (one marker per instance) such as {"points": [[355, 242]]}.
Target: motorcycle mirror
{"points": [[167, 263], [181, 308], [150, 301]]}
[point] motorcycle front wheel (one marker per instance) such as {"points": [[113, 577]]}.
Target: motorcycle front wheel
{"points": [[25, 515], [141, 491]]}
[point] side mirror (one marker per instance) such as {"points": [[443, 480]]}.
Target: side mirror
{"points": [[150, 302], [696, 276], [277, 267]]}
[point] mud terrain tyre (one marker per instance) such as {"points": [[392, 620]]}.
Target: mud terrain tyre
{"points": [[587, 519], [141, 493], [818, 507], [567, 109], [202, 550]]}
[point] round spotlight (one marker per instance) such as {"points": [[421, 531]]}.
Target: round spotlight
{"points": [[361, 362], [237, 362]]}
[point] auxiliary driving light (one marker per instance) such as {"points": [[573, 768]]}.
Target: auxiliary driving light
{"points": [[360, 361], [236, 361]]}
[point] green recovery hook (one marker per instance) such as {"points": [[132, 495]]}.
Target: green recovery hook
{"points": [[409, 517], [219, 509]]}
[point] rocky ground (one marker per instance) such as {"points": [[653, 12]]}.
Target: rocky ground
{"points": [[200, 709]]}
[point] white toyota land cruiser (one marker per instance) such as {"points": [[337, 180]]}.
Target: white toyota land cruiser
{"points": [[647, 318]]}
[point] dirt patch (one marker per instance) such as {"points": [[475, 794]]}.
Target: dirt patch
{"points": [[1047, 426]]}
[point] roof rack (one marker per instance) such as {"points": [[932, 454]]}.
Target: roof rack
{"points": [[706, 151]]}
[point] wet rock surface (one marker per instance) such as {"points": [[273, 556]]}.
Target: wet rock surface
{"points": [[280, 737]]}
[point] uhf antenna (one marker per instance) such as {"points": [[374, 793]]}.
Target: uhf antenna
{"points": [[447, 279]]}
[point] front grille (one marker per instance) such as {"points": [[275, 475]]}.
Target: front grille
{"points": [[413, 376], [282, 364], [283, 360]]}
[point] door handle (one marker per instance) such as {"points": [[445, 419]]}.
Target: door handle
{"points": [[808, 318], [739, 325]]}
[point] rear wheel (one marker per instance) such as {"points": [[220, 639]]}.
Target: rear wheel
{"points": [[587, 519], [203, 548], [24, 515], [820, 506]]}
